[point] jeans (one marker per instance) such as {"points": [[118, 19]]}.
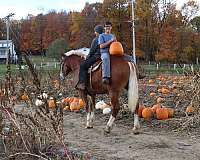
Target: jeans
{"points": [[105, 57], [85, 65]]}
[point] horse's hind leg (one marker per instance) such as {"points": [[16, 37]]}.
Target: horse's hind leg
{"points": [[115, 104], [136, 121], [92, 108]]}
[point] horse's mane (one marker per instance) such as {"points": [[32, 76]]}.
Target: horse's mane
{"points": [[79, 53]]}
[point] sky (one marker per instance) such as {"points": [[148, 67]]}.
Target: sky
{"points": [[22, 8]]}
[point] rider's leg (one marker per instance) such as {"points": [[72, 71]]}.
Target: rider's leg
{"points": [[84, 71], [105, 67]]}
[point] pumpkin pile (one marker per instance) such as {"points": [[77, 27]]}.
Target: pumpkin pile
{"points": [[161, 113], [73, 104]]}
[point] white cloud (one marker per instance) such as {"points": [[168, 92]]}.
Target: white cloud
{"points": [[22, 8], [19, 11], [35, 7]]}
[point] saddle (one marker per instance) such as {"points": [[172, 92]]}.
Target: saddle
{"points": [[93, 68]]}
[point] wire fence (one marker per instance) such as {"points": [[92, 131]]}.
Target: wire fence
{"points": [[162, 68]]}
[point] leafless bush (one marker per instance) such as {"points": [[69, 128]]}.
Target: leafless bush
{"points": [[30, 131], [191, 93]]}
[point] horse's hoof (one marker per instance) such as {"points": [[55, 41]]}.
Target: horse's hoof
{"points": [[89, 127], [136, 130], [107, 130]]}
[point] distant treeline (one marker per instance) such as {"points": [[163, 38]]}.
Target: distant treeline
{"points": [[163, 33]]}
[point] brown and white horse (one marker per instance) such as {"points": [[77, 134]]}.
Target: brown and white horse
{"points": [[123, 75]]}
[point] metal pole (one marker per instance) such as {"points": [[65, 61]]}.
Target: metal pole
{"points": [[8, 75], [133, 30], [7, 41], [7, 18]]}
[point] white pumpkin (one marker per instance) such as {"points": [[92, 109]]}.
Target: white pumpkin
{"points": [[100, 105], [38, 102], [106, 110]]}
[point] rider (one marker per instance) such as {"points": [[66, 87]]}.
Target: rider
{"points": [[93, 56], [105, 40]]}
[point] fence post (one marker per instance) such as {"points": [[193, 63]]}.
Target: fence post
{"points": [[192, 68], [174, 66], [157, 66]]}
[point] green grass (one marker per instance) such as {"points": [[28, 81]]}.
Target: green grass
{"points": [[46, 64], [42, 64], [39, 59], [3, 69]]}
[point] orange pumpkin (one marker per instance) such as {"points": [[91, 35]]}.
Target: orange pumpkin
{"points": [[116, 49], [152, 94], [51, 103], [151, 81], [147, 113], [74, 106], [140, 109], [75, 99], [65, 100], [66, 108], [162, 113], [190, 109], [155, 107], [24, 97], [81, 103], [165, 91], [170, 112]]}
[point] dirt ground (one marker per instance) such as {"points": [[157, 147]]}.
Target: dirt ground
{"points": [[154, 143]]}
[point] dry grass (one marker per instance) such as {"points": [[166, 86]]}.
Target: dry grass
{"points": [[29, 131], [190, 92]]}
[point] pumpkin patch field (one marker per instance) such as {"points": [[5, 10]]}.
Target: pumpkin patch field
{"points": [[48, 122]]}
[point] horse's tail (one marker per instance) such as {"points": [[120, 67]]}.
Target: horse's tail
{"points": [[132, 88]]}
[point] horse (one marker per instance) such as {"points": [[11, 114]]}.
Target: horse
{"points": [[123, 75]]}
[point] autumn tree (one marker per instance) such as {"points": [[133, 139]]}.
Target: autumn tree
{"points": [[56, 48], [75, 20], [90, 16], [25, 41], [118, 12], [2, 29], [195, 22]]}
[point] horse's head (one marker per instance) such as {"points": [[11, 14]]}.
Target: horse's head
{"points": [[69, 63], [65, 67]]}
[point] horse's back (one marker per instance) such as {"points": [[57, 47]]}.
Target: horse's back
{"points": [[119, 72], [119, 75]]}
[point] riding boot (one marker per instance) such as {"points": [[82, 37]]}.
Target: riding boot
{"points": [[106, 80]]}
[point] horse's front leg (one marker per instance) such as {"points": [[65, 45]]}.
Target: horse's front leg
{"points": [[83, 95], [115, 109], [90, 111], [136, 120]]}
